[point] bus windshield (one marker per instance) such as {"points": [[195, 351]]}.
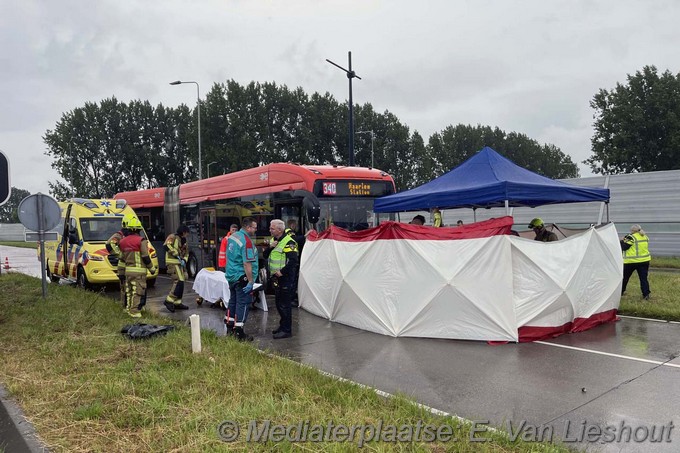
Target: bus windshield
{"points": [[100, 229], [352, 214]]}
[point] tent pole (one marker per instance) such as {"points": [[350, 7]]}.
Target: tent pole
{"points": [[474, 214], [507, 207]]}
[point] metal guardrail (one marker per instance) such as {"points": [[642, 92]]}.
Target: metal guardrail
{"points": [[12, 232]]}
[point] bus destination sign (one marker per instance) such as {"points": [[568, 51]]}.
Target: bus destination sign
{"points": [[353, 188]]}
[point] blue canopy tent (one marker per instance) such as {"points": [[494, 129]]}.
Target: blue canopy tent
{"points": [[488, 180]]}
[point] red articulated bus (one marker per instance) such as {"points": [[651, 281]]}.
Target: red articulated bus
{"points": [[313, 196]]}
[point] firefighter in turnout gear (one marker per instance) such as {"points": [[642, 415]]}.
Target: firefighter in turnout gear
{"points": [[542, 234], [134, 250], [176, 255], [113, 247], [283, 263]]}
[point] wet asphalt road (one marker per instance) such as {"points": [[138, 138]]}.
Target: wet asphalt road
{"points": [[616, 381]]}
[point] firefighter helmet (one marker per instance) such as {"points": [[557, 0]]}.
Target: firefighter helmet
{"points": [[126, 220], [536, 223], [134, 224]]}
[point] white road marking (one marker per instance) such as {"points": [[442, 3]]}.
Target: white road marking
{"points": [[649, 319], [609, 354]]}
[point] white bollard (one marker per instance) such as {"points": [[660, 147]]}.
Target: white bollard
{"points": [[195, 333]]}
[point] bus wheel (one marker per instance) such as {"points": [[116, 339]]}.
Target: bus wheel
{"points": [[192, 266], [83, 282], [53, 278]]}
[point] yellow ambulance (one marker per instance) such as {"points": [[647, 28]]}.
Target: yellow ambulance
{"points": [[79, 253]]}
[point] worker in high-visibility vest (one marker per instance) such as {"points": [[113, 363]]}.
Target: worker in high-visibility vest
{"points": [[113, 247], [437, 218], [176, 256], [134, 250], [222, 257], [636, 257], [282, 261]]}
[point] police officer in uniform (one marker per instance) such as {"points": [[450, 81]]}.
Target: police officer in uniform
{"points": [[636, 257], [282, 259], [176, 255], [134, 251]]}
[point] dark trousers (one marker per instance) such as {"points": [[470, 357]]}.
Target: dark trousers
{"points": [[238, 303], [642, 270], [284, 299]]}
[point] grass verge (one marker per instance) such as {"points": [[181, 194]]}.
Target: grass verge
{"points": [[87, 388], [668, 262], [24, 245], [665, 298]]}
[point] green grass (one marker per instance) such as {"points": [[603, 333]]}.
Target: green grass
{"points": [[664, 302], [669, 262], [87, 388], [25, 245]]}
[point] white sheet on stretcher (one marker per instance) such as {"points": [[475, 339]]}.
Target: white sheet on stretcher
{"points": [[212, 285]]}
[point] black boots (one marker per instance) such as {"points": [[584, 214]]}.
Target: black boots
{"points": [[240, 334]]}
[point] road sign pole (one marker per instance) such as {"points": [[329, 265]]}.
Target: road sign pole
{"points": [[41, 238], [40, 213]]}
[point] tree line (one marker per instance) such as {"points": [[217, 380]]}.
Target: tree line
{"points": [[104, 148], [108, 147]]}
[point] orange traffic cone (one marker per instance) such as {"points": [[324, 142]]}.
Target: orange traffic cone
{"points": [[6, 266]]}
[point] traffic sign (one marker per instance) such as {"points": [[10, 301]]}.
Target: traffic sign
{"points": [[33, 236], [5, 186], [39, 212]]}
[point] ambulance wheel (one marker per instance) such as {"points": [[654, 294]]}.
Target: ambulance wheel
{"points": [[53, 278], [83, 282]]}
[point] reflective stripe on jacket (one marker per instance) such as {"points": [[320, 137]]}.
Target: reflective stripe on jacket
{"points": [[222, 257], [277, 257], [174, 249], [134, 251], [639, 249], [113, 247]]}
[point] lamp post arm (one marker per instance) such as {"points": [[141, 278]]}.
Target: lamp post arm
{"points": [[198, 110]]}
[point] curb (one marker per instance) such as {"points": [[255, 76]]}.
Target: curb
{"points": [[17, 434]]}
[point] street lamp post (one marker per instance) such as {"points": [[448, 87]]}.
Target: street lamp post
{"points": [[198, 104], [350, 75], [209, 168], [70, 151], [372, 139]]}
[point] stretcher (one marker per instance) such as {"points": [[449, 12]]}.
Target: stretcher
{"points": [[210, 285]]}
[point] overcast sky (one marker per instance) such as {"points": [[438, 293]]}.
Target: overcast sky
{"points": [[525, 66]]}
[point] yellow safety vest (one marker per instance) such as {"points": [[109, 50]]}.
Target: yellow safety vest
{"points": [[277, 258], [638, 251]]}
